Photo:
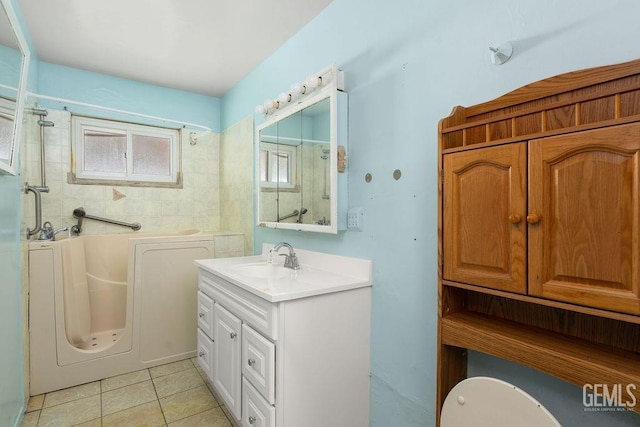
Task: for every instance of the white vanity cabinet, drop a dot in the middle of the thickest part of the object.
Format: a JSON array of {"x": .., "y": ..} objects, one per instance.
[{"x": 287, "y": 360}]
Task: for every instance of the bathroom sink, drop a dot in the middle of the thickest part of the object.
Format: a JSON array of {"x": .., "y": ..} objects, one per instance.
[
  {"x": 261, "y": 270},
  {"x": 319, "y": 273}
]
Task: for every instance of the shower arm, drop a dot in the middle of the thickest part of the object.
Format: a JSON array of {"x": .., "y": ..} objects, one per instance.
[{"x": 80, "y": 215}]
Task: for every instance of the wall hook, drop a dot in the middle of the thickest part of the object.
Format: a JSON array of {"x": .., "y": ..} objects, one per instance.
[{"x": 501, "y": 54}]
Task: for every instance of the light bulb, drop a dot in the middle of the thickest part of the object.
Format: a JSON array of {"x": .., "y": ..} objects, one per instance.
[
  {"x": 268, "y": 104},
  {"x": 313, "y": 82},
  {"x": 296, "y": 88},
  {"x": 260, "y": 109},
  {"x": 284, "y": 97}
]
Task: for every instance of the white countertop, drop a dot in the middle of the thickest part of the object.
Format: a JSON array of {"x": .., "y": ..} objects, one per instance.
[{"x": 319, "y": 274}]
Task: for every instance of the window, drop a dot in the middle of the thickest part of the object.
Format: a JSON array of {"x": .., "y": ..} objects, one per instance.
[
  {"x": 278, "y": 165},
  {"x": 131, "y": 154},
  {"x": 6, "y": 136}
]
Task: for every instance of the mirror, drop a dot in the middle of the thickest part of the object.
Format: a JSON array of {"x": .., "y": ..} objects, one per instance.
[
  {"x": 14, "y": 63},
  {"x": 296, "y": 163}
]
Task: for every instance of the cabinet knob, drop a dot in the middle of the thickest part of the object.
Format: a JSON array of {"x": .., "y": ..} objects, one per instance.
[
  {"x": 515, "y": 218},
  {"x": 252, "y": 420},
  {"x": 533, "y": 219},
  {"x": 251, "y": 362},
  {"x": 233, "y": 335},
  {"x": 200, "y": 314},
  {"x": 201, "y": 354}
]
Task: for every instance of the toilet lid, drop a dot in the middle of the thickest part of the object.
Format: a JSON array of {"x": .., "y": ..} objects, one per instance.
[{"x": 484, "y": 401}]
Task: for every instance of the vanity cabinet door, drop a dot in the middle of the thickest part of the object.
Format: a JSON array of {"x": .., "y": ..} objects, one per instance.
[
  {"x": 226, "y": 360},
  {"x": 583, "y": 190},
  {"x": 484, "y": 210}
]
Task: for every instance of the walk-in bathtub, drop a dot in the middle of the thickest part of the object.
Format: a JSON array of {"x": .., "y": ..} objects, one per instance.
[{"x": 105, "y": 305}]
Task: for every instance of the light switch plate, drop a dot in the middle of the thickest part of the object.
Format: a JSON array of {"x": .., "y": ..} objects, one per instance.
[{"x": 355, "y": 217}]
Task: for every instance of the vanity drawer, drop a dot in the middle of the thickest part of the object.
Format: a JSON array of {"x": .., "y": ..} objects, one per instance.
[
  {"x": 205, "y": 354},
  {"x": 256, "y": 412},
  {"x": 258, "y": 362},
  {"x": 205, "y": 314}
]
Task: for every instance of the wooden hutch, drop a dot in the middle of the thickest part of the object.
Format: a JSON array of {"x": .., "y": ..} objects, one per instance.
[{"x": 539, "y": 230}]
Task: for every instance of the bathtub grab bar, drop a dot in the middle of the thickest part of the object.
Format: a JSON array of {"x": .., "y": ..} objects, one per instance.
[
  {"x": 37, "y": 192},
  {"x": 80, "y": 214},
  {"x": 292, "y": 214}
]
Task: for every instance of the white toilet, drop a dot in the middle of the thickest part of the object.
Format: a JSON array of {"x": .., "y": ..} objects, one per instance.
[{"x": 490, "y": 402}]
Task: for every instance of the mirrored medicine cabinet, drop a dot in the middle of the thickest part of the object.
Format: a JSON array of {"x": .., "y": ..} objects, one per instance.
[
  {"x": 297, "y": 152},
  {"x": 14, "y": 65}
]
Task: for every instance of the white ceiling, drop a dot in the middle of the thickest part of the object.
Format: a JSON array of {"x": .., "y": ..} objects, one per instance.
[{"x": 202, "y": 46}]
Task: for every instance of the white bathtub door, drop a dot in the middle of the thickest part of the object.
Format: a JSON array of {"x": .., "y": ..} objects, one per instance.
[{"x": 166, "y": 286}]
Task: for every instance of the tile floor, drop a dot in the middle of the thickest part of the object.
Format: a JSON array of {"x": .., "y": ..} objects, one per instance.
[{"x": 174, "y": 395}]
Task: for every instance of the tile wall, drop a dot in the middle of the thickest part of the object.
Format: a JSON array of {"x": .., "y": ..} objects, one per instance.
[
  {"x": 157, "y": 209},
  {"x": 236, "y": 180}
]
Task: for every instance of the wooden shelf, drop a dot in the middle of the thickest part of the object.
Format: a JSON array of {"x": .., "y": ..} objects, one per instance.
[
  {"x": 577, "y": 361},
  {"x": 630, "y": 318}
]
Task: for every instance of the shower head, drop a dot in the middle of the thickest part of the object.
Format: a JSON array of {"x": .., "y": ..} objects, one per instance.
[{"x": 79, "y": 213}]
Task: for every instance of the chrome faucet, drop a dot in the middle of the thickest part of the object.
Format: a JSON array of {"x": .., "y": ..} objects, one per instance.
[
  {"x": 48, "y": 233},
  {"x": 291, "y": 260}
]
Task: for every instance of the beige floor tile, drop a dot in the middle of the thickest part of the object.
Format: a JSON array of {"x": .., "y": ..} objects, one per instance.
[
  {"x": 145, "y": 415},
  {"x": 125, "y": 380},
  {"x": 170, "y": 368},
  {"x": 93, "y": 423},
  {"x": 30, "y": 419},
  {"x": 72, "y": 393},
  {"x": 226, "y": 412},
  {"x": 127, "y": 397},
  {"x": 175, "y": 383},
  {"x": 211, "y": 418},
  {"x": 191, "y": 402},
  {"x": 71, "y": 413},
  {"x": 35, "y": 403}
]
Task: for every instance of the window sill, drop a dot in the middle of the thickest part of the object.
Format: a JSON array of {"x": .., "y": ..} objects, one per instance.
[{"x": 73, "y": 179}]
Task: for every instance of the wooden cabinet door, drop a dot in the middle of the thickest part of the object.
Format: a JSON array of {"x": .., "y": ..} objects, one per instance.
[
  {"x": 226, "y": 359},
  {"x": 583, "y": 190},
  {"x": 484, "y": 208}
]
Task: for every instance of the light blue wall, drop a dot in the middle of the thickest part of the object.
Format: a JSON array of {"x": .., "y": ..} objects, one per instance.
[
  {"x": 11, "y": 381},
  {"x": 113, "y": 92},
  {"x": 407, "y": 63}
]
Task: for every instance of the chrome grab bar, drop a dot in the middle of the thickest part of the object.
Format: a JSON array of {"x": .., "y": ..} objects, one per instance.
[
  {"x": 292, "y": 214},
  {"x": 80, "y": 214},
  {"x": 36, "y": 190}
]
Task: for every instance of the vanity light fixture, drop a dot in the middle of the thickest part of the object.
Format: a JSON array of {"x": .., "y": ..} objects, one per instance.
[{"x": 298, "y": 90}]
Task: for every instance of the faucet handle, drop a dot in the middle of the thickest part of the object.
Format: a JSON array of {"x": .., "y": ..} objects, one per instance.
[{"x": 291, "y": 261}]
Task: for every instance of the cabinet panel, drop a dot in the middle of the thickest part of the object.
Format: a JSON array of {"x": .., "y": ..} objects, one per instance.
[
  {"x": 483, "y": 217},
  {"x": 256, "y": 412},
  {"x": 205, "y": 353},
  {"x": 205, "y": 314},
  {"x": 258, "y": 362},
  {"x": 584, "y": 189},
  {"x": 226, "y": 359}
]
